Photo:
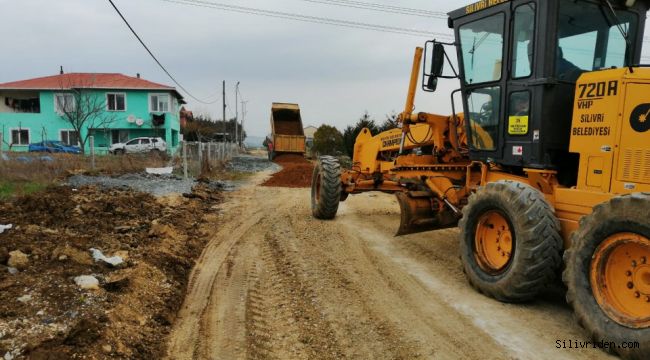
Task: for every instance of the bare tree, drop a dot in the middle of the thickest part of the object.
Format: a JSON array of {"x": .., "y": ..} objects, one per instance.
[{"x": 83, "y": 108}]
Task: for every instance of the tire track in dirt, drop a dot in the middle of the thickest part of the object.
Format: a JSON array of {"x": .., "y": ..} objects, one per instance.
[
  {"x": 526, "y": 331},
  {"x": 192, "y": 332},
  {"x": 277, "y": 284}
]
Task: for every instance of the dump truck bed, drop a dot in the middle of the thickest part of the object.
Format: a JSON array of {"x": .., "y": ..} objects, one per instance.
[{"x": 287, "y": 129}]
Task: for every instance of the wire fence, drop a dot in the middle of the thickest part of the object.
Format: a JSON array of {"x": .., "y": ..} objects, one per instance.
[{"x": 197, "y": 157}]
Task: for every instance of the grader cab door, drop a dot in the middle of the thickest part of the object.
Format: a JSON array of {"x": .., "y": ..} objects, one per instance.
[{"x": 500, "y": 79}]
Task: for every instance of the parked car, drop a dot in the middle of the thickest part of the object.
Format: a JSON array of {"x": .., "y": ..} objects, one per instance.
[
  {"x": 139, "y": 145},
  {"x": 53, "y": 146}
]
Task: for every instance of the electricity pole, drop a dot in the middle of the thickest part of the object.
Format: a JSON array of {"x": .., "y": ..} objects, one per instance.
[
  {"x": 236, "y": 113},
  {"x": 224, "y": 112},
  {"x": 243, "y": 118}
]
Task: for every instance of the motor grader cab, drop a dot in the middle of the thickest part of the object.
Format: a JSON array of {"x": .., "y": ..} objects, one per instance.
[{"x": 548, "y": 161}]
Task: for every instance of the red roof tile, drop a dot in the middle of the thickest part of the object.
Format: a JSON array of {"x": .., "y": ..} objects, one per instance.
[{"x": 86, "y": 81}]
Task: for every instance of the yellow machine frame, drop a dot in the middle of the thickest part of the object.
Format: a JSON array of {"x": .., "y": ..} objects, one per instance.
[{"x": 605, "y": 169}]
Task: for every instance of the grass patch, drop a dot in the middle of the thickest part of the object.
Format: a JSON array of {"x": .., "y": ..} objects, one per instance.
[
  {"x": 9, "y": 189},
  {"x": 6, "y": 189}
]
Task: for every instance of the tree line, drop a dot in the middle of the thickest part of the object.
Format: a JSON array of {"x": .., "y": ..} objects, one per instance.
[
  {"x": 328, "y": 140},
  {"x": 203, "y": 128}
]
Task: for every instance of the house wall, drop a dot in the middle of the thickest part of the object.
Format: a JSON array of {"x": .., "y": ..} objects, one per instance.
[{"x": 48, "y": 124}]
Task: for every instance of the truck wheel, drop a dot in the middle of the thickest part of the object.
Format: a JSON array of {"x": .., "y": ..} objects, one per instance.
[
  {"x": 326, "y": 188},
  {"x": 510, "y": 241},
  {"x": 608, "y": 274}
]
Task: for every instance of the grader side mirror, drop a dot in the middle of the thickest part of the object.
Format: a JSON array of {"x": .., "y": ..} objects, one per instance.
[
  {"x": 436, "y": 66},
  {"x": 437, "y": 60}
]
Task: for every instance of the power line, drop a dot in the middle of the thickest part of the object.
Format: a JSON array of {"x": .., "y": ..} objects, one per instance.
[
  {"x": 155, "y": 58},
  {"x": 369, "y": 6},
  {"x": 389, "y": 7},
  {"x": 308, "y": 18}
]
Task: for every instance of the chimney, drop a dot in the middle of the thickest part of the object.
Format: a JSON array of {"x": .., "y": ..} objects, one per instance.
[
  {"x": 61, "y": 72},
  {"x": 138, "y": 75}
]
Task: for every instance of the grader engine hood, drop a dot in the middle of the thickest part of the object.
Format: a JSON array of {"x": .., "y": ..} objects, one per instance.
[{"x": 611, "y": 135}]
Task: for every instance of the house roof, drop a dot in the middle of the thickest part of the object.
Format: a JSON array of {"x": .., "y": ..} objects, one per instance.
[{"x": 87, "y": 81}]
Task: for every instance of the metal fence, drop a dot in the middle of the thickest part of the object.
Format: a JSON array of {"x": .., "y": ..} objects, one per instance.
[{"x": 194, "y": 156}]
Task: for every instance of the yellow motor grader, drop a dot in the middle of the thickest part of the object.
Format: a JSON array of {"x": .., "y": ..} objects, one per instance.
[{"x": 546, "y": 169}]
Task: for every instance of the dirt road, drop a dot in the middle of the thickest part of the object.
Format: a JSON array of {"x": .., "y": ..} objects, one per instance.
[{"x": 274, "y": 283}]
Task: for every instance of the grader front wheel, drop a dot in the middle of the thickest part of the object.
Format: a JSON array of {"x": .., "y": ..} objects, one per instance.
[
  {"x": 326, "y": 188},
  {"x": 510, "y": 242},
  {"x": 493, "y": 242},
  {"x": 608, "y": 273}
]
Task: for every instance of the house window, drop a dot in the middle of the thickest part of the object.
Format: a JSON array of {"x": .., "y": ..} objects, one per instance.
[
  {"x": 119, "y": 136},
  {"x": 20, "y": 137},
  {"x": 160, "y": 103},
  {"x": 70, "y": 137},
  {"x": 64, "y": 103},
  {"x": 116, "y": 102}
]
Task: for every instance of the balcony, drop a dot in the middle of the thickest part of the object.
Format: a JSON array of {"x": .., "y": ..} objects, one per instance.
[{"x": 20, "y": 102}]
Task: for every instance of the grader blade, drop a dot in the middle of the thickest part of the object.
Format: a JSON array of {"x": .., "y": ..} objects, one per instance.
[{"x": 416, "y": 214}]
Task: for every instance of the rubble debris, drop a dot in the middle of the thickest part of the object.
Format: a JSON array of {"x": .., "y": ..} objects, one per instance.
[
  {"x": 25, "y": 299},
  {"x": 87, "y": 282},
  {"x": 18, "y": 260},
  {"x": 160, "y": 171},
  {"x": 55, "y": 229},
  {"x": 99, "y": 256},
  {"x": 5, "y": 227}
]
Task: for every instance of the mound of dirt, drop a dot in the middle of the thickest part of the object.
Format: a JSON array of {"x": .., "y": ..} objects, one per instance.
[
  {"x": 296, "y": 172},
  {"x": 128, "y": 307},
  {"x": 290, "y": 159}
]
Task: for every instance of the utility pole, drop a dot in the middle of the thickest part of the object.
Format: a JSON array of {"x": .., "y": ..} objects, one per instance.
[
  {"x": 224, "y": 111},
  {"x": 236, "y": 113},
  {"x": 243, "y": 118}
]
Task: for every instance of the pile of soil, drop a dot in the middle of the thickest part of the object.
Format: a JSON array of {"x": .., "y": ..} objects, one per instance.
[
  {"x": 45, "y": 314},
  {"x": 288, "y": 128},
  {"x": 296, "y": 172}
]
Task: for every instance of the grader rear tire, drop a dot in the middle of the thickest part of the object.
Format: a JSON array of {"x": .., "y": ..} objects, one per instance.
[
  {"x": 326, "y": 188},
  {"x": 608, "y": 274},
  {"x": 510, "y": 241}
]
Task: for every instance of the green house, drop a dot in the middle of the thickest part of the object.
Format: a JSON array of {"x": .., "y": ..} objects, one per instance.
[{"x": 123, "y": 108}]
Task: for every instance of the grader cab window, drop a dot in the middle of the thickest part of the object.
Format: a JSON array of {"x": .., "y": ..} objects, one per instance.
[
  {"x": 484, "y": 117},
  {"x": 524, "y": 32},
  {"x": 590, "y": 38},
  {"x": 482, "y": 49}
]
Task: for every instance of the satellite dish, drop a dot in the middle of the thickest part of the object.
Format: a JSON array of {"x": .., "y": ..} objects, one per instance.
[
  {"x": 139, "y": 122},
  {"x": 131, "y": 119}
]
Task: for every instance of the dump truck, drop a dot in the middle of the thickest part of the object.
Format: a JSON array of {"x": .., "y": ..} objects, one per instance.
[
  {"x": 546, "y": 170},
  {"x": 288, "y": 136}
]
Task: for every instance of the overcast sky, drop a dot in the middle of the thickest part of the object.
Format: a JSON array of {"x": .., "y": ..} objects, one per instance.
[{"x": 334, "y": 73}]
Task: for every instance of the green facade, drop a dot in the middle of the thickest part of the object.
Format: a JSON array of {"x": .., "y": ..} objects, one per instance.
[{"x": 48, "y": 124}]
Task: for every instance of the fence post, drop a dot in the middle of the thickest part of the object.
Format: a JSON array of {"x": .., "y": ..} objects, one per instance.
[
  {"x": 92, "y": 151},
  {"x": 200, "y": 154},
  {"x": 185, "y": 160}
]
